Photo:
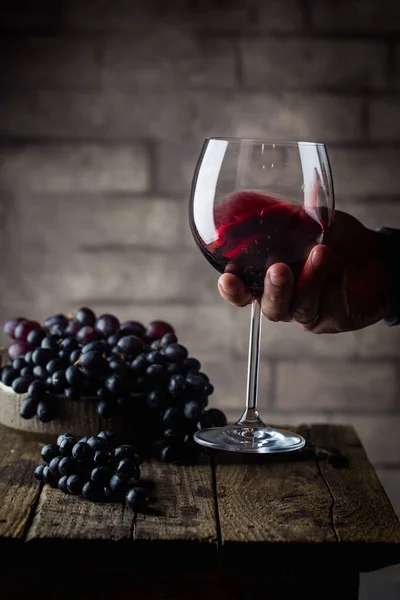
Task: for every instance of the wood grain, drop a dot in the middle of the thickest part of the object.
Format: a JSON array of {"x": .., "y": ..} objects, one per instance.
[
  {"x": 19, "y": 490},
  {"x": 360, "y": 511}
]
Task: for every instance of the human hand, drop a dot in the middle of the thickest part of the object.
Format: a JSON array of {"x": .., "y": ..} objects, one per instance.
[{"x": 343, "y": 285}]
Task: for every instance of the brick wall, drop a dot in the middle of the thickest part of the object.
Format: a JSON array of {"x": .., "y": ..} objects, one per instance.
[{"x": 103, "y": 109}]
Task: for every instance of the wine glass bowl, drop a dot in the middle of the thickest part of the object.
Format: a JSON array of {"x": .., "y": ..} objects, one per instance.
[{"x": 255, "y": 203}]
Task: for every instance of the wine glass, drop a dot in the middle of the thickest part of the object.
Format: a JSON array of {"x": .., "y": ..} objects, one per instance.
[{"x": 255, "y": 203}]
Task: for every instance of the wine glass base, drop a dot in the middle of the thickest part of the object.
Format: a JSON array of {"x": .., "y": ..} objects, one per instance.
[{"x": 256, "y": 440}]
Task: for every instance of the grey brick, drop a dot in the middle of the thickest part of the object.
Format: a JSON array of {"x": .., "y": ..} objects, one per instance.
[
  {"x": 176, "y": 163},
  {"x": 357, "y": 15},
  {"x": 365, "y": 172},
  {"x": 168, "y": 58},
  {"x": 95, "y": 221},
  {"x": 378, "y": 433},
  {"x": 390, "y": 479},
  {"x": 379, "y": 341},
  {"x": 312, "y": 63},
  {"x": 355, "y": 386},
  {"x": 286, "y": 340},
  {"x": 385, "y": 119},
  {"x": 74, "y": 167},
  {"x": 52, "y": 62},
  {"x": 276, "y": 15}
]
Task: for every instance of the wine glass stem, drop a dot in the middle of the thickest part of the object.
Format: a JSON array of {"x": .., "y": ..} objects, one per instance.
[{"x": 250, "y": 416}]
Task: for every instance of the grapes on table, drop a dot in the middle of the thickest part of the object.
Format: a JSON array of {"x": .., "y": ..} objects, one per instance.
[{"x": 140, "y": 372}]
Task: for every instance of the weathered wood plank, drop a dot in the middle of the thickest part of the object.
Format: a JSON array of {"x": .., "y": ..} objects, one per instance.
[
  {"x": 19, "y": 490},
  {"x": 360, "y": 511},
  {"x": 272, "y": 500}
]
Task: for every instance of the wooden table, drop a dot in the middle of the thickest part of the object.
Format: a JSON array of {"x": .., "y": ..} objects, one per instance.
[{"x": 290, "y": 526}]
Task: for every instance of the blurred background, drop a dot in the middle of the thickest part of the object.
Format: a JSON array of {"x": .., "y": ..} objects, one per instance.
[{"x": 103, "y": 109}]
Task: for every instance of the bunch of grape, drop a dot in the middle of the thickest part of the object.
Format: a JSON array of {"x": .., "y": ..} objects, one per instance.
[
  {"x": 95, "y": 467},
  {"x": 142, "y": 373}
]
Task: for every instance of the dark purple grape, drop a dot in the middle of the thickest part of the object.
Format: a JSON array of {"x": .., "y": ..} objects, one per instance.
[
  {"x": 129, "y": 467},
  {"x": 93, "y": 492},
  {"x": 133, "y": 328},
  {"x": 213, "y": 418},
  {"x": 40, "y": 373},
  {"x": 19, "y": 348},
  {"x": 101, "y": 458},
  {"x": 131, "y": 345},
  {"x": 54, "y": 464},
  {"x": 74, "y": 356},
  {"x": 59, "y": 319},
  {"x": 27, "y": 371},
  {"x": 176, "y": 353},
  {"x": 119, "y": 484},
  {"x": 157, "y": 329},
  {"x": 156, "y": 345},
  {"x": 72, "y": 329},
  {"x": 177, "y": 385},
  {"x": 68, "y": 465},
  {"x": 58, "y": 380},
  {"x": 82, "y": 452},
  {"x": 28, "y": 407},
  {"x": 75, "y": 484},
  {"x": 74, "y": 376},
  {"x": 50, "y": 451},
  {"x": 119, "y": 368},
  {"x": 19, "y": 363},
  {"x": 94, "y": 363},
  {"x": 8, "y": 375},
  {"x": 196, "y": 383},
  {"x": 100, "y": 476},
  {"x": 72, "y": 393},
  {"x": 124, "y": 451},
  {"x": 112, "y": 340},
  {"x": 41, "y": 356},
  {"x": 96, "y": 346},
  {"x": 87, "y": 334},
  {"x": 37, "y": 389},
  {"x": 156, "y": 358},
  {"x": 172, "y": 452},
  {"x": 115, "y": 384},
  {"x": 23, "y": 329},
  {"x": 156, "y": 373},
  {"x": 64, "y": 436},
  {"x": 51, "y": 342},
  {"x": 20, "y": 385},
  {"x": 191, "y": 364},
  {"x": 38, "y": 472},
  {"x": 209, "y": 389},
  {"x": 49, "y": 478},
  {"x": 28, "y": 357},
  {"x": 157, "y": 400},
  {"x": 105, "y": 409},
  {"x": 97, "y": 443},
  {"x": 136, "y": 499},
  {"x": 35, "y": 337},
  {"x": 173, "y": 418},
  {"x": 108, "y": 435},
  {"x": 169, "y": 338},
  {"x": 107, "y": 325},
  {"x": 140, "y": 364},
  {"x": 193, "y": 410},
  {"x": 175, "y": 369},
  {"x": 203, "y": 375},
  {"x": 54, "y": 365},
  {"x": 62, "y": 484},
  {"x": 69, "y": 343},
  {"x": 66, "y": 442},
  {"x": 10, "y": 325},
  {"x": 58, "y": 331},
  {"x": 46, "y": 410},
  {"x": 85, "y": 316}
]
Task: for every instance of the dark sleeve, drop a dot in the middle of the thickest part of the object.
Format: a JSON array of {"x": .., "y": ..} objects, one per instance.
[{"x": 392, "y": 253}]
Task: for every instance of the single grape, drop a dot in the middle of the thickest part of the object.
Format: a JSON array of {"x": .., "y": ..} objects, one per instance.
[
  {"x": 42, "y": 356},
  {"x": 175, "y": 369},
  {"x": 196, "y": 383},
  {"x": 133, "y": 328},
  {"x": 37, "y": 389},
  {"x": 35, "y": 337},
  {"x": 118, "y": 367},
  {"x": 168, "y": 338},
  {"x": 119, "y": 484},
  {"x": 101, "y": 458},
  {"x": 136, "y": 499},
  {"x": 38, "y": 472},
  {"x": 140, "y": 364},
  {"x": 50, "y": 342},
  {"x": 58, "y": 380},
  {"x": 54, "y": 365},
  {"x": 20, "y": 385},
  {"x": 10, "y": 325},
  {"x": 115, "y": 384},
  {"x": 74, "y": 356},
  {"x": 68, "y": 465},
  {"x": 98, "y": 443},
  {"x": 19, "y": 363},
  {"x": 66, "y": 442},
  {"x": 8, "y": 375},
  {"x": 49, "y": 478},
  {"x": 100, "y": 476},
  {"x": 96, "y": 346},
  {"x": 69, "y": 343},
  {"x": 54, "y": 465},
  {"x": 156, "y": 358},
  {"x": 23, "y": 329},
  {"x": 124, "y": 451},
  {"x": 157, "y": 374},
  {"x": 72, "y": 329},
  {"x": 28, "y": 357},
  {"x": 46, "y": 410},
  {"x": 27, "y": 371},
  {"x": 93, "y": 492},
  {"x": 94, "y": 363},
  {"x": 108, "y": 435},
  {"x": 191, "y": 364},
  {"x": 85, "y": 317},
  {"x": 75, "y": 484},
  {"x": 72, "y": 393},
  {"x": 157, "y": 329},
  {"x": 87, "y": 334},
  {"x": 74, "y": 376},
  {"x": 129, "y": 467},
  {"x": 176, "y": 353},
  {"x": 62, "y": 484},
  {"x": 28, "y": 407},
  {"x": 193, "y": 410},
  {"x": 107, "y": 325},
  {"x": 50, "y": 451},
  {"x": 157, "y": 400},
  {"x": 209, "y": 389},
  {"x": 58, "y": 331},
  {"x": 213, "y": 418},
  {"x": 131, "y": 345},
  {"x": 59, "y": 319},
  {"x": 18, "y": 348},
  {"x": 105, "y": 409},
  {"x": 82, "y": 452},
  {"x": 64, "y": 436},
  {"x": 177, "y": 385}
]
